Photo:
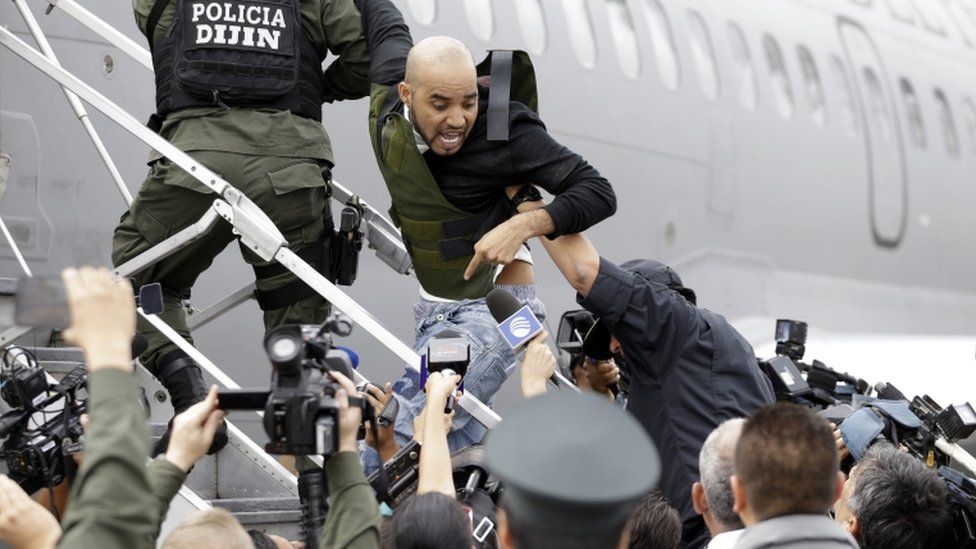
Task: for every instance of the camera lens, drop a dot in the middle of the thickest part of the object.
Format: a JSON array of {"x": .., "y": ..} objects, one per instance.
[{"x": 283, "y": 349}]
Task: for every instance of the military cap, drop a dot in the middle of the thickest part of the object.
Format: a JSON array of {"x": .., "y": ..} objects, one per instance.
[{"x": 572, "y": 463}]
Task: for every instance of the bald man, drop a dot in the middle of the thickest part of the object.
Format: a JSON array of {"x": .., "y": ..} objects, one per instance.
[{"x": 447, "y": 167}]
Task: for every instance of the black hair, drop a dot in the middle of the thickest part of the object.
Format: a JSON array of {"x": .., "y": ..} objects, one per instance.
[
  {"x": 527, "y": 536},
  {"x": 655, "y": 524},
  {"x": 261, "y": 540},
  {"x": 431, "y": 521},
  {"x": 898, "y": 502}
]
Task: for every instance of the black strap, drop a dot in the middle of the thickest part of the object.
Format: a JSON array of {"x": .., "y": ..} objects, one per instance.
[
  {"x": 154, "y": 15},
  {"x": 282, "y": 297},
  {"x": 165, "y": 371},
  {"x": 458, "y": 247},
  {"x": 499, "y": 95},
  {"x": 311, "y": 254},
  {"x": 466, "y": 226},
  {"x": 391, "y": 102}
]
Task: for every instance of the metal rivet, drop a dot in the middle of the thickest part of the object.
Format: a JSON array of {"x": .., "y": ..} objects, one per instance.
[
  {"x": 160, "y": 396},
  {"x": 108, "y": 64}
]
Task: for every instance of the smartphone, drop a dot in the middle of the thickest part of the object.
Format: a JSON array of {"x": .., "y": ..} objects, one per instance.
[{"x": 41, "y": 301}]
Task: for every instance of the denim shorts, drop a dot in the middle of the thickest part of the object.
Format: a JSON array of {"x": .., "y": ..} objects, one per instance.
[{"x": 492, "y": 361}]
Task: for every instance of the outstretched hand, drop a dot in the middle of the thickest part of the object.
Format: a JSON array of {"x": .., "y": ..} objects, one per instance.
[
  {"x": 350, "y": 417},
  {"x": 193, "y": 432},
  {"x": 538, "y": 366},
  {"x": 103, "y": 317},
  {"x": 498, "y": 246}
]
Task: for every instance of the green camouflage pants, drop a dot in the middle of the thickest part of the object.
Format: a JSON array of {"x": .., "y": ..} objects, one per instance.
[{"x": 291, "y": 191}]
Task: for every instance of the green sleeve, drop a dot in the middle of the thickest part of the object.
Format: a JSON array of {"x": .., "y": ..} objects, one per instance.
[
  {"x": 111, "y": 503},
  {"x": 165, "y": 480},
  {"x": 348, "y": 76},
  {"x": 354, "y": 519},
  {"x": 142, "y": 8}
]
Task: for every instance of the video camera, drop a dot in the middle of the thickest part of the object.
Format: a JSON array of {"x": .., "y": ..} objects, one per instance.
[
  {"x": 301, "y": 416},
  {"x": 920, "y": 425},
  {"x": 37, "y": 457}
]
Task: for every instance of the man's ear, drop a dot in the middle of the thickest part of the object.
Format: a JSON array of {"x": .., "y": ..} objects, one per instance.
[
  {"x": 698, "y": 499},
  {"x": 853, "y": 526},
  {"x": 403, "y": 89},
  {"x": 841, "y": 479},
  {"x": 738, "y": 495},
  {"x": 504, "y": 534}
]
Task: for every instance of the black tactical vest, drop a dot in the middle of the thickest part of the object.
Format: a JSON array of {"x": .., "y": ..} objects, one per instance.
[{"x": 236, "y": 53}]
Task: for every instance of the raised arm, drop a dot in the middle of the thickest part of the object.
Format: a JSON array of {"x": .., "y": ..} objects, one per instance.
[
  {"x": 388, "y": 39},
  {"x": 435, "y": 471}
]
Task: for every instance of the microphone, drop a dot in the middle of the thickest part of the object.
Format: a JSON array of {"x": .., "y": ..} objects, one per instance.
[
  {"x": 888, "y": 391},
  {"x": 518, "y": 326}
]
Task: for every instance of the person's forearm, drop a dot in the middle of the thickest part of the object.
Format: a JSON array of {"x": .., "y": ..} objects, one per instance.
[
  {"x": 388, "y": 39},
  {"x": 111, "y": 501},
  {"x": 573, "y": 254},
  {"x": 165, "y": 479},
  {"x": 353, "y": 520},
  {"x": 435, "y": 470}
]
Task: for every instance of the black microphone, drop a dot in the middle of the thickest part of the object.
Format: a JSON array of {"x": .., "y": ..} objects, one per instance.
[
  {"x": 518, "y": 325},
  {"x": 888, "y": 391}
]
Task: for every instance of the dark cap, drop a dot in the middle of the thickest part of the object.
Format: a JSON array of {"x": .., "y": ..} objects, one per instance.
[
  {"x": 572, "y": 463},
  {"x": 655, "y": 271}
]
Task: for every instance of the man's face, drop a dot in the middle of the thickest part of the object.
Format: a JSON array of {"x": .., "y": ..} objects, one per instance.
[
  {"x": 842, "y": 513},
  {"x": 443, "y": 103}
]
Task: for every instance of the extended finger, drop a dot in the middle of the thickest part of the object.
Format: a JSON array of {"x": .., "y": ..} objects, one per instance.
[
  {"x": 473, "y": 265},
  {"x": 212, "y": 423}
]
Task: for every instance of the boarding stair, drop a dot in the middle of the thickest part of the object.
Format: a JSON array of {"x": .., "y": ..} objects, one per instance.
[{"x": 241, "y": 478}]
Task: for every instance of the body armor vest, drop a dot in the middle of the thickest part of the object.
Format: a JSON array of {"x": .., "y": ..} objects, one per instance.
[
  {"x": 440, "y": 236},
  {"x": 236, "y": 53}
]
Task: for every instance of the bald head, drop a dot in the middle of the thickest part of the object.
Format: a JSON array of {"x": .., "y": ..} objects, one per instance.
[
  {"x": 440, "y": 90},
  {"x": 438, "y": 55}
]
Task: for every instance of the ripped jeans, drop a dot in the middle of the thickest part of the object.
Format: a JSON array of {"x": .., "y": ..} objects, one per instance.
[{"x": 492, "y": 361}]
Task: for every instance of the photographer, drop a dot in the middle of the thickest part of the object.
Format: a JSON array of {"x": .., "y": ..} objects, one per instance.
[
  {"x": 433, "y": 517},
  {"x": 892, "y": 501},
  {"x": 689, "y": 369}
]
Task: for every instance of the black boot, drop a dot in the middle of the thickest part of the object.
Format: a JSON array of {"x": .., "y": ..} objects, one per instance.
[
  {"x": 313, "y": 494},
  {"x": 183, "y": 379}
]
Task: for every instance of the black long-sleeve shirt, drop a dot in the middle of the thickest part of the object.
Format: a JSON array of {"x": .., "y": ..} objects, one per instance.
[{"x": 475, "y": 177}]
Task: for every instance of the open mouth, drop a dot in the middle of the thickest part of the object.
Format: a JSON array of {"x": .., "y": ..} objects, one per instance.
[{"x": 451, "y": 139}]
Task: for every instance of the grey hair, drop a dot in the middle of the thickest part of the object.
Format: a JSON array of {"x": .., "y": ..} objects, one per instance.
[{"x": 715, "y": 465}]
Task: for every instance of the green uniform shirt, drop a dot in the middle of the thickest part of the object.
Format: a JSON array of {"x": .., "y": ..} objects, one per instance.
[
  {"x": 111, "y": 503},
  {"x": 354, "y": 518},
  {"x": 165, "y": 480},
  {"x": 332, "y": 25}
]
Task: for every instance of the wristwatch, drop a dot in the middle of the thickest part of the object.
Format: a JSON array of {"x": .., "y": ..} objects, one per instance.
[{"x": 528, "y": 193}]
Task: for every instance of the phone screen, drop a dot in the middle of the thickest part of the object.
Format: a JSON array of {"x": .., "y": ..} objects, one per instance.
[{"x": 41, "y": 301}]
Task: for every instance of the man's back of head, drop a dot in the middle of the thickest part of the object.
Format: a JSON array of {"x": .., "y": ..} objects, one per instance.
[
  {"x": 654, "y": 524},
  {"x": 892, "y": 501},
  {"x": 712, "y": 495},
  {"x": 212, "y": 528},
  {"x": 786, "y": 463},
  {"x": 431, "y": 520}
]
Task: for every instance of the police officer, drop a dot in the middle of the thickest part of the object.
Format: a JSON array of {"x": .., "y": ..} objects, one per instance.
[
  {"x": 448, "y": 147},
  {"x": 573, "y": 466},
  {"x": 240, "y": 86},
  {"x": 689, "y": 369}
]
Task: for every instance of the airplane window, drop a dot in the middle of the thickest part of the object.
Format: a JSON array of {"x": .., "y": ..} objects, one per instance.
[
  {"x": 948, "y": 125},
  {"x": 480, "y": 18},
  {"x": 970, "y": 108},
  {"x": 901, "y": 9},
  {"x": 624, "y": 37},
  {"x": 843, "y": 88},
  {"x": 811, "y": 78},
  {"x": 913, "y": 110},
  {"x": 664, "y": 51},
  {"x": 533, "y": 23},
  {"x": 581, "y": 31},
  {"x": 424, "y": 11},
  {"x": 880, "y": 115},
  {"x": 703, "y": 54},
  {"x": 782, "y": 89},
  {"x": 931, "y": 16},
  {"x": 744, "y": 71}
]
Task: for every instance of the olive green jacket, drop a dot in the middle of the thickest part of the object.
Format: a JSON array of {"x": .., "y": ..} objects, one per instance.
[
  {"x": 111, "y": 502},
  {"x": 354, "y": 518},
  {"x": 334, "y": 26}
]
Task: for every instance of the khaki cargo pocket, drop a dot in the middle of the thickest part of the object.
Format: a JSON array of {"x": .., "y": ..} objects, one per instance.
[
  {"x": 148, "y": 225},
  {"x": 170, "y": 174},
  {"x": 294, "y": 176}
]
